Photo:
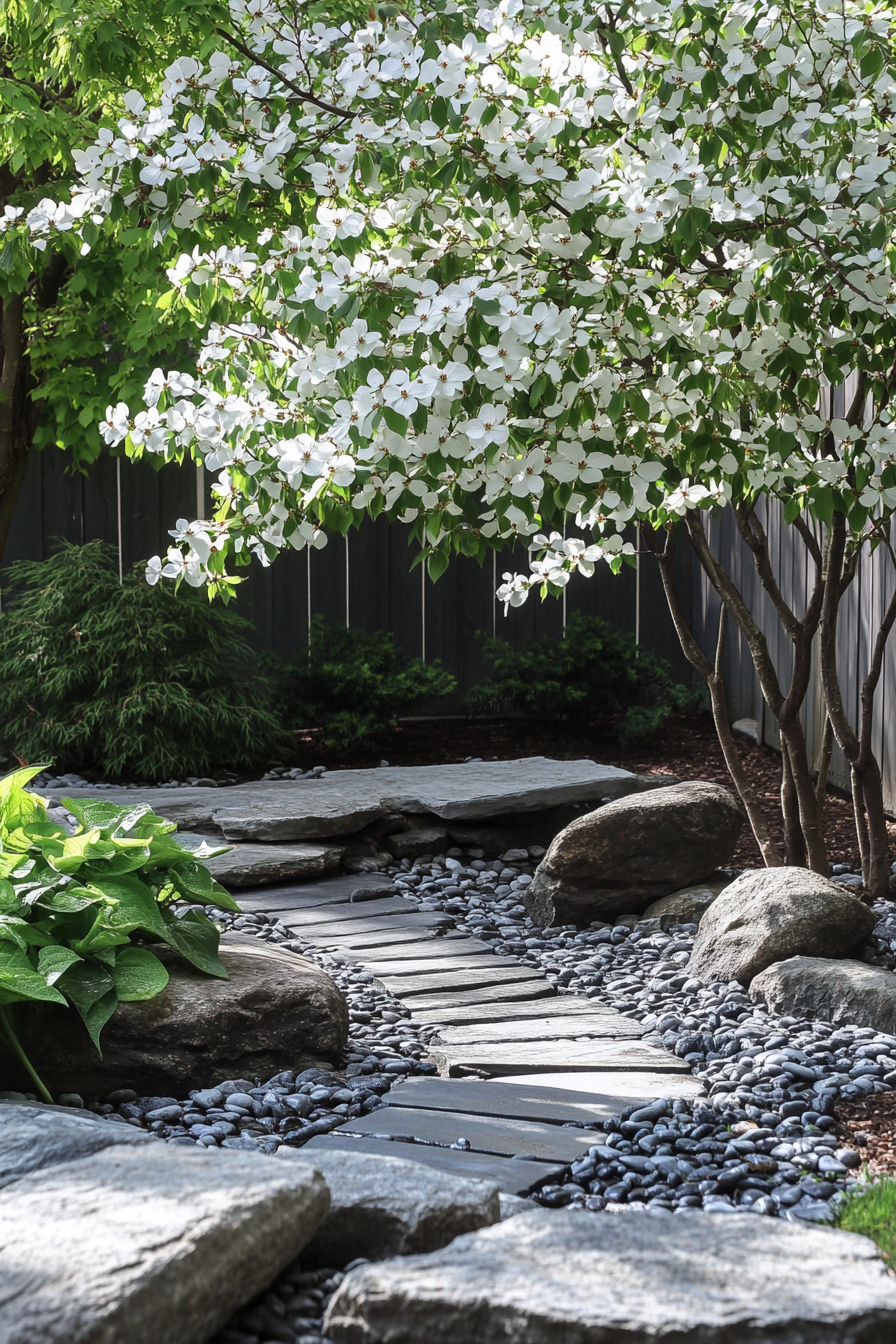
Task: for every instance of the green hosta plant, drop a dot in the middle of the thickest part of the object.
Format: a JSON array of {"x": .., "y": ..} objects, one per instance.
[{"x": 79, "y": 912}]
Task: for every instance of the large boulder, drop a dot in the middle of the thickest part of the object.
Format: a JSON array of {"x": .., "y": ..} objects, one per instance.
[
  {"x": 556, "y": 1275},
  {"x": 153, "y": 1245},
  {"x": 384, "y": 1206},
  {"x": 631, "y": 852},
  {"x": 274, "y": 1011},
  {"x": 772, "y": 914},
  {"x": 831, "y": 991}
]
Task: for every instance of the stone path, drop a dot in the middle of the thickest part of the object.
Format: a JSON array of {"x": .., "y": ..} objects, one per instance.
[{"x": 493, "y": 1019}]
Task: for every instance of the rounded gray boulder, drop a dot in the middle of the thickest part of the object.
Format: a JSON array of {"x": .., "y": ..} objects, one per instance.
[
  {"x": 274, "y": 1011},
  {"x": 832, "y": 991},
  {"x": 771, "y": 914},
  {"x": 633, "y": 851}
]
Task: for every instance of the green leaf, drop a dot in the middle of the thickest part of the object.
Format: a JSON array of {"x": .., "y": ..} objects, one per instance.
[
  {"x": 96, "y": 1017},
  {"x": 136, "y": 906},
  {"x": 54, "y": 961},
  {"x": 196, "y": 939},
  {"x": 20, "y": 981},
  {"x": 138, "y": 975},
  {"x": 84, "y": 984},
  {"x": 397, "y": 423}
]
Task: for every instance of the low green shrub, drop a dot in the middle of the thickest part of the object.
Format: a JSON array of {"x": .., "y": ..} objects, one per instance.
[
  {"x": 77, "y": 911},
  {"x": 354, "y": 684},
  {"x": 872, "y": 1212},
  {"x": 125, "y": 679},
  {"x": 595, "y": 672}
]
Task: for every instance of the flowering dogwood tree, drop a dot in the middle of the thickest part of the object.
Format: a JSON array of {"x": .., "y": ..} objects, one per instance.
[{"x": 527, "y": 269}]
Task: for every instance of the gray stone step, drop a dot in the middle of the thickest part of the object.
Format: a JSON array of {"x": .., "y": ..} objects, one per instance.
[
  {"x": 528, "y": 989},
  {"x": 365, "y": 911},
  {"x": 558, "y": 1005},
  {"x": 616, "y": 1090},
  {"x": 254, "y": 865},
  {"x": 348, "y": 939},
  {"x": 542, "y": 1029},
  {"x": 532, "y": 1057},
  {"x": 512, "y": 1176},
  {"x": 345, "y": 801},
  {"x": 505, "y": 1136},
  {"x": 336, "y": 890},
  {"x": 356, "y": 927},
  {"x": 448, "y": 981},
  {"x": 514, "y": 1101},
  {"x": 450, "y": 944},
  {"x": 408, "y": 969}
]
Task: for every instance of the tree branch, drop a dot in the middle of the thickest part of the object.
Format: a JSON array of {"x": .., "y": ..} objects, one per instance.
[{"x": 302, "y": 94}]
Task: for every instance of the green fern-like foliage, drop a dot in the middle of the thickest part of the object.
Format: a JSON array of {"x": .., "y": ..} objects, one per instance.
[
  {"x": 126, "y": 680},
  {"x": 596, "y": 672},
  {"x": 354, "y": 684}
]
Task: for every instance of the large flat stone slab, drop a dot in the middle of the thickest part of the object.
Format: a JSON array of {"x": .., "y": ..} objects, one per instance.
[
  {"x": 538, "y": 1057},
  {"x": 337, "y": 890},
  {"x": 363, "y": 912},
  {"x": 449, "y": 980},
  {"x": 614, "y": 1091},
  {"x": 149, "y": 1245},
  {"x": 344, "y": 801},
  {"x": 255, "y": 865},
  {"x": 35, "y": 1137},
  {"x": 557, "y": 1005},
  {"x": 450, "y": 944},
  {"x": 548, "y": 1105},
  {"x": 551, "y": 1276},
  {"x": 505, "y": 1137},
  {"x": 384, "y": 1206},
  {"x": 525, "y": 989},
  {"x": 511, "y": 1175},
  {"x": 543, "y": 1029},
  {"x": 408, "y": 969}
]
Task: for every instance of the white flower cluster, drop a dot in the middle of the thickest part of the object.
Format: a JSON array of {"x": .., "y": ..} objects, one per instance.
[{"x": 537, "y": 262}]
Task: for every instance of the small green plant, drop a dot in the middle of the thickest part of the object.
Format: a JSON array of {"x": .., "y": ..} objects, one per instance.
[
  {"x": 125, "y": 679},
  {"x": 872, "y": 1212},
  {"x": 78, "y": 910},
  {"x": 595, "y": 672},
  {"x": 353, "y": 684}
]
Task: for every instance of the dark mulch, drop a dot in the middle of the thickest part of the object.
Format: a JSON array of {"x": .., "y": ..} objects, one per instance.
[
  {"x": 687, "y": 747},
  {"x": 872, "y": 1123}
]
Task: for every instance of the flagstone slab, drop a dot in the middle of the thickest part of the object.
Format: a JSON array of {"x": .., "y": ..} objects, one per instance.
[
  {"x": 254, "y": 865},
  {"x": 408, "y": 969},
  {"x": 448, "y": 980},
  {"x": 612, "y": 1090},
  {"x": 449, "y": 943},
  {"x": 364, "y": 912},
  {"x": 449, "y": 999},
  {"x": 340, "y": 890},
  {"x": 350, "y": 940},
  {"x": 507, "y": 1135},
  {"x": 548, "y": 1105},
  {"x": 513, "y": 1176},
  {"x": 532, "y": 1056},
  {"x": 543, "y": 1029},
  {"x": 550, "y": 1006},
  {"x": 342, "y": 802},
  {"x": 319, "y": 929}
]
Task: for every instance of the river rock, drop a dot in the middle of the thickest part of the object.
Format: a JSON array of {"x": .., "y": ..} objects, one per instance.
[
  {"x": 274, "y": 1011},
  {"x": 686, "y": 906},
  {"x": 833, "y": 991},
  {"x": 34, "y": 1137},
  {"x": 633, "y": 851},
  {"x": 770, "y": 914},
  {"x": 156, "y": 1245},
  {"x": 383, "y": 1206},
  {"x": 556, "y": 1275}
]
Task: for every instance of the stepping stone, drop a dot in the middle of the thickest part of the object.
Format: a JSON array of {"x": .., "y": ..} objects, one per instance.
[
  {"x": 253, "y": 865},
  {"x": 352, "y": 940},
  {"x": 527, "y": 989},
  {"x": 345, "y": 801},
  {"x": 548, "y": 1105},
  {"x": 504, "y": 1137},
  {"x": 365, "y": 911},
  {"x": 515, "y": 1176},
  {"x": 533, "y": 1057},
  {"x": 318, "y": 930},
  {"x": 410, "y": 987},
  {"x": 148, "y": 1243},
  {"x": 326, "y": 891},
  {"x": 409, "y": 968},
  {"x": 450, "y": 944},
  {"x": 563, "y": 1276},
  {"x": 613, "y": 1090},
  {"x": 558, "y": 1005},
  {"x": 543, "y": 1029}
]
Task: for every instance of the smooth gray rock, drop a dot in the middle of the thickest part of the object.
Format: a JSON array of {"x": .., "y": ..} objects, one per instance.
[
  {"x": 554, "y": 1276},
  {"x": 383, "y": 1206},
  {"x": 770, "y": 914},
  {"x": 274, "y": 1011},
  {"x": 834, "y": 991},
  {"x": 686, "y": 906},
  {"x": 344, "y": 801},
  {"x": 256, "y": 865},
  {"x": 631, "y": 852},
  {"x": 152, "y": 1246},
  {"x": 34, "y": 1137}
]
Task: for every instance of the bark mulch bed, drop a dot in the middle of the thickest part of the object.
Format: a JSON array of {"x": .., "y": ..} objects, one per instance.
[
  {"x": 872, "y": 1124},
  {"x": 686, "y": 747}
]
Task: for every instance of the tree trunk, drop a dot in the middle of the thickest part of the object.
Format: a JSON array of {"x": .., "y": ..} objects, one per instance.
[{"x": 18, "y": 412}]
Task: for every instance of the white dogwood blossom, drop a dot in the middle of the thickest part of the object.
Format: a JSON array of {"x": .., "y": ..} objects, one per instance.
[{"x": 512, "y": 270}]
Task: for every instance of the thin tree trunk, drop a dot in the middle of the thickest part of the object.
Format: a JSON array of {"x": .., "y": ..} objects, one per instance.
[
  {"x": 824, "y": 767},
  {"x": 18, "y": 418},
  {"x": 794, "y": 841},
  {"x": 712, "y": 673}
]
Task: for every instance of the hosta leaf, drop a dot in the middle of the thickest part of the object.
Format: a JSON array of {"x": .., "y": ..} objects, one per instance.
[
  {"x": 108, "y": 817},
  {"x": 196, "y": 939},
  {"x": 96, "y": 1017},
  {"x": 52, "y": 962},
  {"x": 19, "y": 979},
  {"x": 85, "y": 983},
  {"x": 136, "y": 907},
  {"x": 138, "y": 975},
  {"x": 79, "y": 848},
  {"x": 66, "y": 902},
  {"x": 122, "y": 861}
]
